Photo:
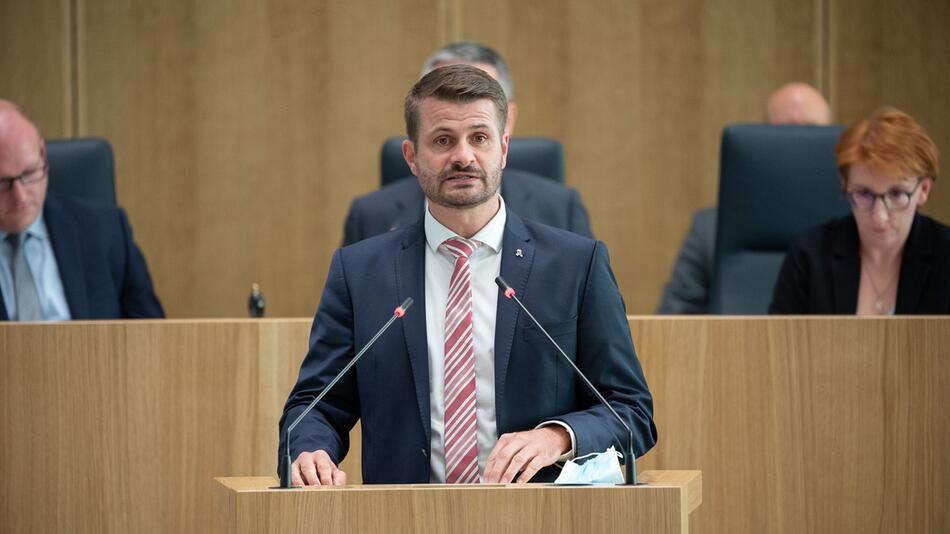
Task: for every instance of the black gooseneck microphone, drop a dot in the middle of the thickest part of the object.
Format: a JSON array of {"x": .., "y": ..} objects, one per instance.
[
  {"x": 287, "y": 479},
  {"x": 630, "y": 477}
]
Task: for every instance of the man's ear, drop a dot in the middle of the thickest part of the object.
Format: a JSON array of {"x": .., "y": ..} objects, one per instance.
[
  {"x": 504, "y": 149},
  {"x": 409, "y": 154}
]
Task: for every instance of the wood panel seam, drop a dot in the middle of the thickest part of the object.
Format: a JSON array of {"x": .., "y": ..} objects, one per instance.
[{"x": 73, "y": 68}]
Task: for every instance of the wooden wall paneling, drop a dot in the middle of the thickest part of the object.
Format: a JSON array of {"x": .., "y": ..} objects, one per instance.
[
  {"x": 891, "y": 52},
  {"x": 124, "y": 431},
  {"x": 35, "y": 62},
  {"x": 804, "y": 424},
  {"x": 811, "y": 424},
  {"x": 243, "y": 130},
  {"x": 638, "y": 92}
]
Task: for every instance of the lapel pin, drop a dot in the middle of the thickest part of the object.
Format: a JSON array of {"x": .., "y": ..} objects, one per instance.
[{"x": 519, "y": 253}]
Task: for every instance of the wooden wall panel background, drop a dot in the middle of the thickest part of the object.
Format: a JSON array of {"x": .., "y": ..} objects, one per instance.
[
  {"x": 36, "y": 61},
  {"x": 124, "y": 432},
  {"x": 638, "y": 93},
  {"x": 804, "y": 424},
  {"x": 242, "y": 130},
  {"x": 799, "y": 424}
]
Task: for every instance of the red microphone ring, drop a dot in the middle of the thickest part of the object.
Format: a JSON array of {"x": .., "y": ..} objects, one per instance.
[
  {"x": 399, "y": 312},
  {"x": 510, "y": 292}
]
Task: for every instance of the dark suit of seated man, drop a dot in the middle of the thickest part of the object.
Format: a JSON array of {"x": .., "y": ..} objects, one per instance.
[
  {"x": 464, "y": 388},
  {"x": 400, "y": 204},
  {"x": 61, "y": 258}
]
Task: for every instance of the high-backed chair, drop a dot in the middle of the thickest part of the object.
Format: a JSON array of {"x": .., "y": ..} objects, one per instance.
[
  {"x": 82, "y": 168},
  {"x": 538, "y": 155},
  {"x": 775, "y": 182}
]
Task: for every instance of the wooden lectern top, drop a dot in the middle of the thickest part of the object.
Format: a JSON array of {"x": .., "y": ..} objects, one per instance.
[{"x": 661, "y": 504}]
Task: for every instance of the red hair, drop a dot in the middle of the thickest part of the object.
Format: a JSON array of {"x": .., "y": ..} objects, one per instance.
[{"x": 891, "y": 142}]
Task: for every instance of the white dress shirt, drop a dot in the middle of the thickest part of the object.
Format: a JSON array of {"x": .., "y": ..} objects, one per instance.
[
  {"x": 42, "y": 263},
  {"x": 485, "y": 266}
]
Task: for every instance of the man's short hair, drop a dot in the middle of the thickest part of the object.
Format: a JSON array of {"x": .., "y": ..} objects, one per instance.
[
  {"x": 472, "y": 52},
  {"x": 458, "y": 84}
]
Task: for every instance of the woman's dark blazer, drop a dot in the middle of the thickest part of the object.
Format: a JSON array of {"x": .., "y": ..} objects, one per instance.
[{"x": 822, "y": 270}]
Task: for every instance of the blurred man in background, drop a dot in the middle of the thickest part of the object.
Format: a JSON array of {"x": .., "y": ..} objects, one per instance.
[
  {"x": 687, "y": 291},
  {"x": 60, "y": 258}
]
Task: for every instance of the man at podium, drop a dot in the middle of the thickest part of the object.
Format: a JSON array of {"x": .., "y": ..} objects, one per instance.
[{"x": 464, "y": 388}]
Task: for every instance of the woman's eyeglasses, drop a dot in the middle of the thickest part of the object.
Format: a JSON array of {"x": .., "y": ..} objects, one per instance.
[{"x": 894, "y": 200}]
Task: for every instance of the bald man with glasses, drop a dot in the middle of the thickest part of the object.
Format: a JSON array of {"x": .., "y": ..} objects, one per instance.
[{"x": 60, "y": 258}]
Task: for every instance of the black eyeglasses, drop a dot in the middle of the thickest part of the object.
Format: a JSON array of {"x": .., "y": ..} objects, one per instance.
[
  {"x": 29, "y": 177},
  {"x": 894, "y": 200}
]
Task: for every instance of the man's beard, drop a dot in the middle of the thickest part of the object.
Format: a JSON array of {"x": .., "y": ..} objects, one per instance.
[{"x": 465, "y": 197}]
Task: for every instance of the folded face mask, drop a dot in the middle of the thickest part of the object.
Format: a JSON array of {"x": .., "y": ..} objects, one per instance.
[{"x": 599, "y": 468}]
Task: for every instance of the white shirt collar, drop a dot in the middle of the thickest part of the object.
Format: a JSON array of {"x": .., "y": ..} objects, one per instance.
[{"x": 491, "y": 235}]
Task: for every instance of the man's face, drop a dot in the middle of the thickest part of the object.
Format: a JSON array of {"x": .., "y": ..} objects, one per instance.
[
  {"x": 22, "y": 204},
  {"x": 459, "y": 154}
]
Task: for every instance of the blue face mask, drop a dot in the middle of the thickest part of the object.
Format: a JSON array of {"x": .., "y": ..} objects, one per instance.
[{"x": 600, "y": 468}]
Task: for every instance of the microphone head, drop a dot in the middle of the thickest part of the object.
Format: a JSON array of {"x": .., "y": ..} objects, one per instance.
[
  {"x": 509, "y": 291},
  {"x": 401, "y": 309}
]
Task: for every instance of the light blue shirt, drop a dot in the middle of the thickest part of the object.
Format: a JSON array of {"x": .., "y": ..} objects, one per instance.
[{"x": 42, "y": 263}]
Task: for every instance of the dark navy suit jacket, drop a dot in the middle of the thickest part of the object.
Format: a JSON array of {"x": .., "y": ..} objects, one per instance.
[
  {"x": 564, "y": 279},
  {"x": 103, "y": 272},
  {"x": 400, "y": 204}
]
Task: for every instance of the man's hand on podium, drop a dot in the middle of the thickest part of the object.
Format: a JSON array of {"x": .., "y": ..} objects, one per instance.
[
  {"x": 525, "y": 452},
  {"x": 317, "y": 469}
]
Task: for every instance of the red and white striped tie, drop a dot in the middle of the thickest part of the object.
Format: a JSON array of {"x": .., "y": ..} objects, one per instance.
[{"x": 461, "y": 451}]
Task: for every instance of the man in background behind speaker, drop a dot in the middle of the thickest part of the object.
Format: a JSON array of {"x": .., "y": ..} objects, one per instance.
[
  {"x": 687, "y": 291},
  {"x": 400, "y": 203},
  {"x": 60, "y": 258}
]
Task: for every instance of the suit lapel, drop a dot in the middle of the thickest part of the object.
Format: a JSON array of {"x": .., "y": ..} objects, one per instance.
[
  {"x": 915, "y": 267},
  {"x": 3, "y": 308},
  {"x": 64, "y": 238},
  {"x": 411, "y": 209},
  {"x": 410, "y": 276},
  {"x": 515, "y": 268},
  {"x": 845, "y": 267}
]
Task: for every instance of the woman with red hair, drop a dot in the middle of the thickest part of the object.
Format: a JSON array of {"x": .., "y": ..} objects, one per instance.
[{"x": 884, "y": 258}]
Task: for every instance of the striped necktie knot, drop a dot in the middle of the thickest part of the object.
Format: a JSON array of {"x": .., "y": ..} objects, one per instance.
[{"x": 460, "y": 247}]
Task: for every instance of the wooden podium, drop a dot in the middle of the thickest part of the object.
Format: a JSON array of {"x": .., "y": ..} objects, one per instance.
[{"x": 660, "y": 505}]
